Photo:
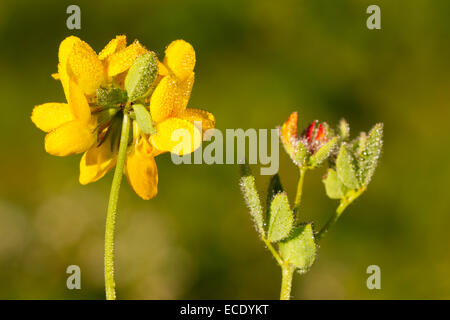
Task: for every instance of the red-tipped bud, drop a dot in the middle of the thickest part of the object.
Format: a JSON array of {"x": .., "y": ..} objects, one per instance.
[
  {"x": 320, "y": 132},
  {"x": 315, "y": 136},
  {"x": 309, "y": 131}
]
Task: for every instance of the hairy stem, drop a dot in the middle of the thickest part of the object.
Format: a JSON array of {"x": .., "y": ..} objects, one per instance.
[
  {"x": 273, "y": 251},
  {"x": 287, "y": 273},
  {"x": 112, "y": 210}
]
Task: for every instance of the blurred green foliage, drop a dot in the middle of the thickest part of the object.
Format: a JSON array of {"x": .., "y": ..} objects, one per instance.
[{"x": 257, "y": 61}]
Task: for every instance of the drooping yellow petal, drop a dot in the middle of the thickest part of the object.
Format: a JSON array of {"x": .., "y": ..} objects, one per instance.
[
  {"x": 180, "y": 58},
  {"x": 78, "y": 102},
  {"x": 123, "y": 59},
  {"x": 80, "y": 61},
  {"x": 116, "y": 44},
  {"x": 49, "y": 116},
  {"x": 162, "y": 102},
  {"x": 197, "y": 115},
  {"x": 141, "y": 171},
  {"x": 71, "y": 138},
  {"x": 176, "y": 135},
  {"x": 66, "y": 48},
  {"x": 97, "y": 161}
]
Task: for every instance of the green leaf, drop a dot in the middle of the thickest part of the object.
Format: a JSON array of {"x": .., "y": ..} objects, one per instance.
[
  {"x": 273, "y": 189},
  {"x": 111, "y": 97},
  {"x": 141, "y": 76},
  {"x": 280, "y": 218},
  {"x": 358, "y": 145},
  {"x": 370, "y": 154},
  {"x": 143, "y": 119},
  {"x": 251, "y": 196},
  {"x": 323, "y": 153},
  {"x": 345, "y": 168},
  {"x": 300, "y": 248},
  {"x": 334, "y": 188}
]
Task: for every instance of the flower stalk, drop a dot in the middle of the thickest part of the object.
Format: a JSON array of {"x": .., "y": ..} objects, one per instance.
[
  {"x": 112, "y": 209},
  {"x": 344, "y": 203},
  {"x": 298, "y": 197}
]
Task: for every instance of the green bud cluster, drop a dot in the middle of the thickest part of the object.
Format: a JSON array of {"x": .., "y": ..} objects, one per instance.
[{"x": 140, "y": 82}]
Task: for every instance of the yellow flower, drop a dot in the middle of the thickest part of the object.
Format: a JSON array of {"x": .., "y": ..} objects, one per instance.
[{"x": 80, "y": 125}]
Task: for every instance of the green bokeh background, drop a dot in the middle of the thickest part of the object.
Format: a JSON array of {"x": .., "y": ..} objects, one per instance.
[{"x": 257, "y": 61}]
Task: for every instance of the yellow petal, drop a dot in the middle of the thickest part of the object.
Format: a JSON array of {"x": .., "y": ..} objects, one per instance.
[
  {"x": 176, "y": 135},
  {"x": 162, "y": 70},
  {"x": 116, "y": 44},
  {"x": 97, "y": 161},
  {"x": 163, "y": 99},
  {"x": 64, "y": 78},
  {"x": 180, "y": 58},
  {"x": 66, "y": 48},
  {"x": 141, "y": 171},
  {"x": 49, "y": 116},
  {"x": 56, "y": 76},
  {"x": 197, "y": 115},
  {"x": 81, "y": 63},
  {"x": 184, "y": 95},
  {"x": 71, "y": 138},
  {"x": 78, "y": 102},
  {"x": 123, "y": 59},
  {"x": 170, "y": 97}
]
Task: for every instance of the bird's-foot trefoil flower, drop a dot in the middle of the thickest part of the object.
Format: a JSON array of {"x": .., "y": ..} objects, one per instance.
[{"x": 123, "y": 106}]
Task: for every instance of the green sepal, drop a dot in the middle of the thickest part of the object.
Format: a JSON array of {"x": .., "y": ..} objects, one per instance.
[
  {"x": 323, "y": 153},
  {"x": 299, "y": 250},
  {"x": 344, "y": 130},
  {"x": 105, "y": 115},
  {"x": 345, "y": 168},
  {"x": 334, "y": 187},
  {"x": 301, "y": 155},
  {"x": 280, "y": 218},
  {"x": 369, "y": 155},
  {"x": 141, "y": 76},
  {"x": 111, "y": 97},
  {"x": 251, "y": 196},
  {"x": 114, "y": 130},
  {"x": 143, "y": 119}
]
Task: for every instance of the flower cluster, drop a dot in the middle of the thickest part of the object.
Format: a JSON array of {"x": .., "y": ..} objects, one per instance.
[
  {"x": 312, "y": 147},
  {"x": 122, "y": 79}
]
